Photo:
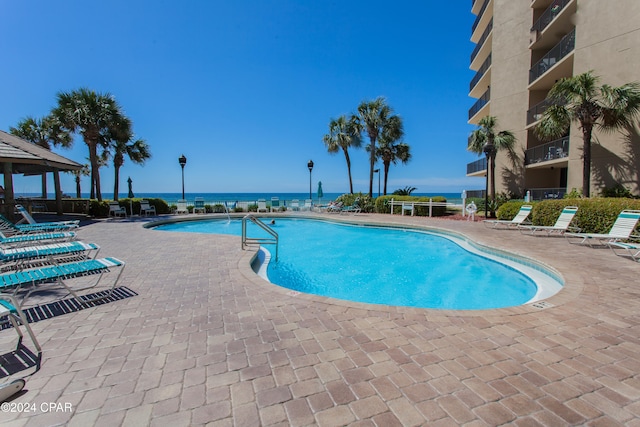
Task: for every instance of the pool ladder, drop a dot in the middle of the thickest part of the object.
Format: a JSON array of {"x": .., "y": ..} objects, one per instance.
[{"x": 273, "y": 240}]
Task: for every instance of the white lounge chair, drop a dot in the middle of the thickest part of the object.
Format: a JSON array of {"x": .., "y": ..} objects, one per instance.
[
  {"x": 116, "y": 210},
  {"x": 622, "y": 229},
  {"x": 181, "y": 207},
  {"x": 275, "y": 204},
  {"x": 29, "y": 239},
  {"x": 10, "y": 308},
  {"x": 626, "y": 249},
  {"x": 22, "y": 257},
  {"x": 519, "y": 219},
  {"x": 262, "y": 205},
  {"x": 353, "y": 209},
  {"x": 308, "y": 205},
  {"x": 295, "y": 205},
  {"x": 198, "y": 205},
  {"x": 10, "y": 228},
  {"x": 562, "y": 225},
  {"x": 147, "y": 208},
  {"x": 52, "y": 224}
]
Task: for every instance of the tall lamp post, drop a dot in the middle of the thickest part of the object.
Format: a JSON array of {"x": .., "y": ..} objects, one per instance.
[
  {"x": 489, "y": 150},
  {"x": 183, "y": 161},
  {"x": 378, "y": 172},
  {"x": 310, "y": 166}
]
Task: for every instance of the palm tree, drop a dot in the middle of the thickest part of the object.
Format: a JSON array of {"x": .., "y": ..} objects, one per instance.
[
  {"x": 389, "y": 150},
  {"x": 486, "y": 140},
  {"x": 85, "y": 171},
  {"x": 342, "y": 135},
  {"x": 137, "y": 151},
  {"x": 45, "y": 132},
  {"x": 579, "y": 99},
  {"x": 372, "y": 117},
  {"x": 98, "y": 118}
]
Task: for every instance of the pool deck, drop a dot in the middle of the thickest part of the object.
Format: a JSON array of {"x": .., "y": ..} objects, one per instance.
[{"x": 207, "y": 342}]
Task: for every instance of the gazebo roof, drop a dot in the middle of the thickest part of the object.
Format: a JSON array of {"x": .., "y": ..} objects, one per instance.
[{"x": 29, "y": 159}]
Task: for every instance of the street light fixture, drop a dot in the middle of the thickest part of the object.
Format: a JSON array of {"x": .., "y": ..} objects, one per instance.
[
  {"x": 183, "y": 161},
  {"x": 378, "y": 172},
  {"x": 489, "y": 151},
  {"x": 310, "y": 166}
]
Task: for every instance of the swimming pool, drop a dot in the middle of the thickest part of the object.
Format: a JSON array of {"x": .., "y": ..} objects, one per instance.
[{"x": 391, "y": 266}]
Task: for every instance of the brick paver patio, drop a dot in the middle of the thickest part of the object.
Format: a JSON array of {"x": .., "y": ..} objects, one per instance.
[{"x": 206, "y": 342}]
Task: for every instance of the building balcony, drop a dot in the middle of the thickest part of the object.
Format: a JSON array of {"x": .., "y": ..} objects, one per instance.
[
  {"x": 481, "y": 80},
  {"x": 480, "y": 106},
  {"x": 484, "y": 15},
  {"x": 547, "y": 193},
  {"x": 477, "y": 168},
  {"x": 553, "y": 58},
  {"x": 551, "y": 23},
  {"x": 535, "y": 113},
  {"x": 482, "y": 47},
  {"x": 553, "y": 153}
]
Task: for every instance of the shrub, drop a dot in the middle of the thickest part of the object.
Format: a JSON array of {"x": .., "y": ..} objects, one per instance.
[
  {"x": 252, "y": 208},
  {"x": 366, "y": 203},
  {"x": 617, "y": 191},
  {"x": 508, "y": 210},
  {"x": 101, "y": 209},
  {"x": 239, "y": 209},
  {"x": 217, "y": 208}
]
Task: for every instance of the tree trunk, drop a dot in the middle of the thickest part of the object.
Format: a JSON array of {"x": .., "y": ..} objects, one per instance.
[
  {"x": 78, "y": 189},
  {"x": 58, "y": 190},
  {"x": 386, "y": 174},
  {"x": 493, "y": 183},
  {"x": 348, "y": 159},
  {"x": 95, "y": 173},
  {"x": 372, "y": 165},
  {"x": 116, "y": 184},
  {"x": 586, "y": 158}
]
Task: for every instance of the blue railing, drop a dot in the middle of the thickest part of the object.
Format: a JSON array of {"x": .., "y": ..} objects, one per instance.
[
  {"x": 484, "y": 99},
  {"x": 549, "y": 15},
  {"x": 559, "y": 51},
  {"x": 553, "y": 150},
  {"x": 483, "y": 69},
  {"x": 477, "y": 166},
  {"x": 483, "y": 38}
]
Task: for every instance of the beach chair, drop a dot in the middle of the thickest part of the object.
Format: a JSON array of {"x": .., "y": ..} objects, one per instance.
[
  {"x": 519, "y": 219},
  {"x": 308, "y": 205},
  {"x": 10, "y": 312},
  {"x": 295, "y": 205},
  {"x": 29, "y": 256},
  {"x": 626, "y": 249},
  {"x": 116, "y": 210},
  {"x": 262, "y": 205},
  {"x": 147, "y": 208},
  {"x": 275, "y": 204},
  {"x": 60, "y": 224},
  {"x": 30, "y": 279},
  {"x": 181, "y": 207},
  {"x": 32, "y": 238},
  {"x": 353, "y": 209},
  {"x": 198, "y": 205},
  {"x": 9, "y": 228},
  {"x": 562, "y": 225},
  {"x": 622, "y": 229},
  {"x": 335, "y": 207}
]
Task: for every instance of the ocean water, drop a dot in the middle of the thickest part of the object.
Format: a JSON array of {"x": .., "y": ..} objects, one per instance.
[{"x": 210, "y": 198}]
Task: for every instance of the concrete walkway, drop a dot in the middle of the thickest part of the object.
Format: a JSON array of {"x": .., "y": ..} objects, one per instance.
[{"x": 206, "y": 342}]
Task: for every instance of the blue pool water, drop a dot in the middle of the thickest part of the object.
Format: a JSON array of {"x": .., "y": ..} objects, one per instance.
[{"x": 388, "y": 266}]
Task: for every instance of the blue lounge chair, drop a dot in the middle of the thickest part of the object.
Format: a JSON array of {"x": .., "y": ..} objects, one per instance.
[
  {"x": 16, "y": 281},
  {"x": 8, "y": 227},
  {"x": 30, "y": 220},
  {"x": 9, "y": 307},
  {"x": 29, "y": 256},
  {"x": 30, "y": 239}
]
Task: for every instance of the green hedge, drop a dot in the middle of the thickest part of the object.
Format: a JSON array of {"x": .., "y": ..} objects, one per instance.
[
  {"x": 101, "y": 209},
  {"x": 595, "y": 215},
  {"x": 382, "y": 205}
]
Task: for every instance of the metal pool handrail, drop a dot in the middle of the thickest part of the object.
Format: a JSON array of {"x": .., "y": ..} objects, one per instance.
[{"x": 258, "y": 240}]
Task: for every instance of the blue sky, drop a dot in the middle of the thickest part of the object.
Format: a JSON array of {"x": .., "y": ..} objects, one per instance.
[{"x": 245, "y": 89}]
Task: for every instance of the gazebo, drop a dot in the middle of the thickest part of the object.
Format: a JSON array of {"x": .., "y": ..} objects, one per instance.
[{"x": 18, "y": 156}]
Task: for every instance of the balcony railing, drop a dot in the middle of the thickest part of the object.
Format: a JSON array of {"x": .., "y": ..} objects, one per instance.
[
  {"x": 559, "y": 51},
  {"x": 483, "y": 38},
  {"x": 535, "y": 113},
  {"x": 477, "y": 166},
  {"x": 484, "y": 99},
  {"x": 553, "y": 150},
  {"x": 549, "y": 15},
  {"x": 483, "y": 69},
  {"x": 547, "y": 193},
  {"x": 479, "y": 17}
]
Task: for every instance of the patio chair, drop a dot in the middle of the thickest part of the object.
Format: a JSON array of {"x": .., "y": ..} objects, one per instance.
[
  {"x": 59, "y": 274},
  {"x": 275, "y": 204},
  {"x": 29, "y": 256},
  {"x": 295, "y": 205},
  {"x": 10, "y": 312},
  {"x": 147, "y": 208},
  {"x": 198, "y": 205},
  {"x": 181, "y": 207},
  {"x": 116, "y": 210},
  {"x": 519, "y": 219},
  {"x": 262, "y": 205},
  {"x": 562, "y": 225},
  {"x": 335, "y": 207},
  {"x": 10, "y": 228},
  {"x": 622, "y": 229},
  {"x": 626, "y": 249},
  {"x": 30, "y": 239},
  {"x": 60, "y": 224},
  {"x": 353, "y": 209},
  {"x": 308, "y": 205}
]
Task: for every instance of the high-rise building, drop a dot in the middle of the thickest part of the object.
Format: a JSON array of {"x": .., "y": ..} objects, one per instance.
[{"x": 522, "y": 48}]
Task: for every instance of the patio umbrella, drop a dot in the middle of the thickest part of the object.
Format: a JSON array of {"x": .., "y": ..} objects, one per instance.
[
  {"x": 320, "y": 193},
  {"x": 131, "y": 196}
]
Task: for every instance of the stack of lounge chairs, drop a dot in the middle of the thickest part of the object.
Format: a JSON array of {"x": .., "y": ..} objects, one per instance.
[{"x": 40, "y": 256}]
